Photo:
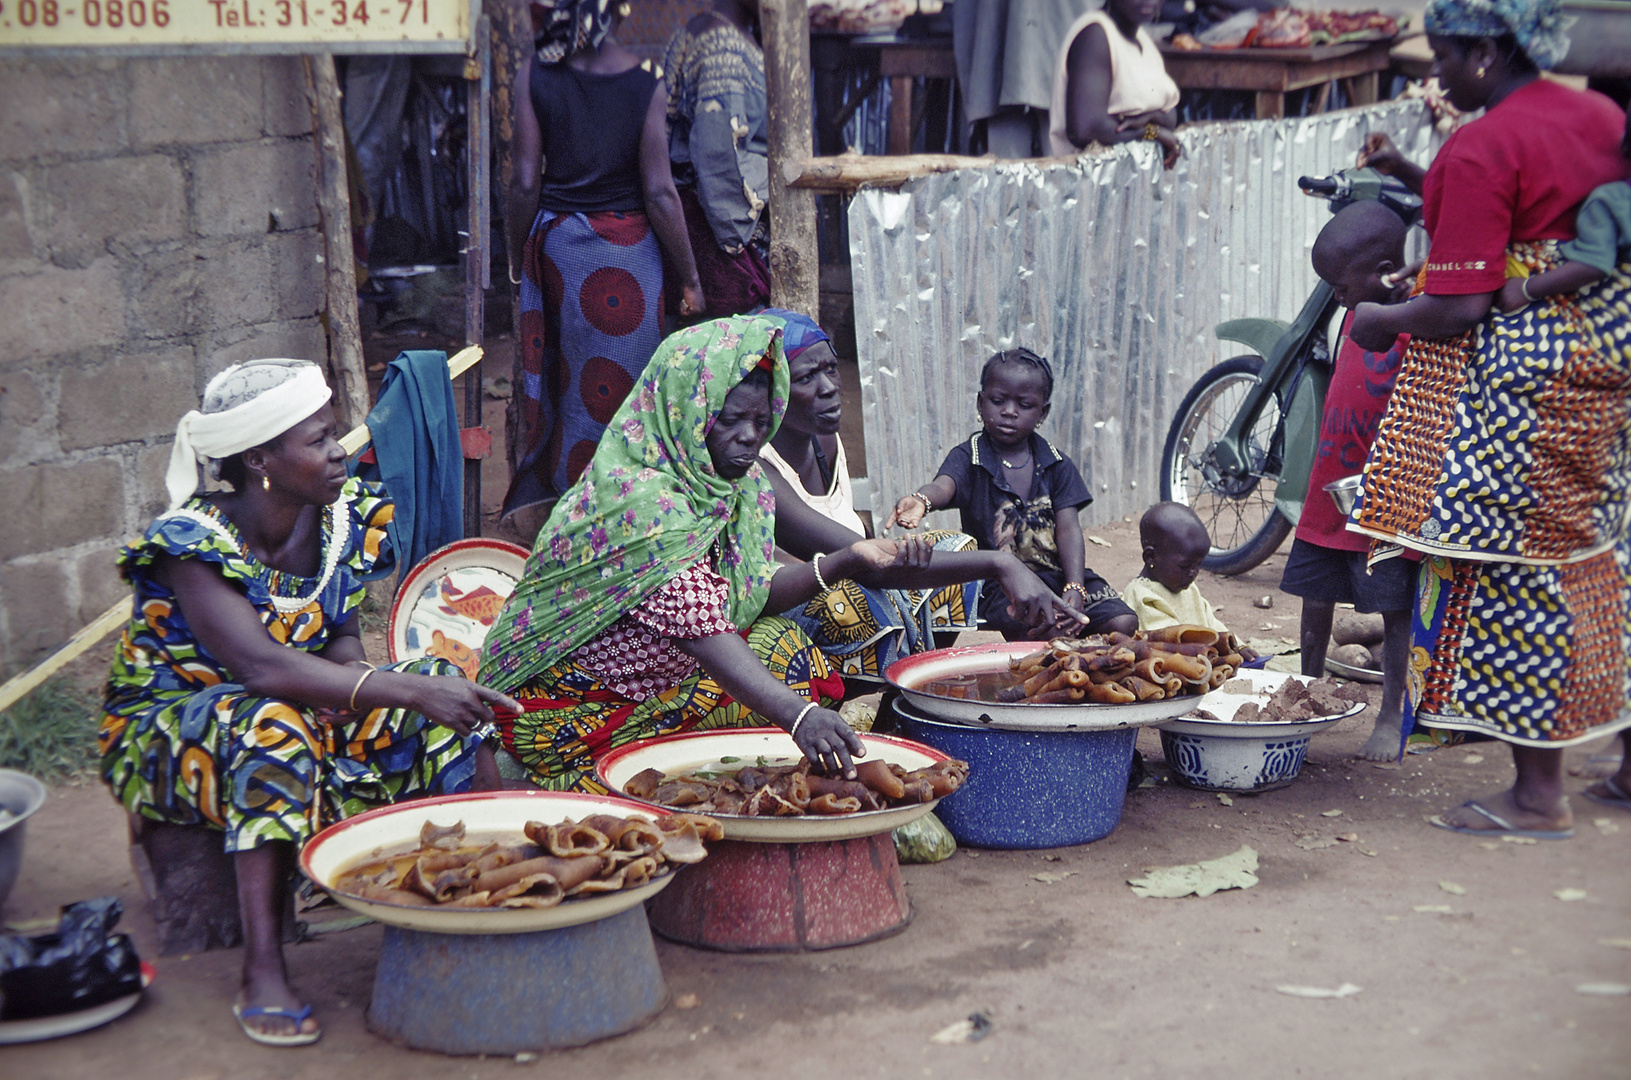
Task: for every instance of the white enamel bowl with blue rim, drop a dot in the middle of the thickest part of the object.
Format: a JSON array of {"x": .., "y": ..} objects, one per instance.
[
  {"x": 1222, "y": 755},
  {"x": 673, "y": 754},
  {"x": 488, "y": 815},
  {"x": 909, "y": 673}
]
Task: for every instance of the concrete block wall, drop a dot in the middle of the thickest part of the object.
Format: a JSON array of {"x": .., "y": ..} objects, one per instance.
[{"x": 158, "y": 221}]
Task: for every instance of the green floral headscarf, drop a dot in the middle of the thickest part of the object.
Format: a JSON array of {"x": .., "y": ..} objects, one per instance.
[{"x": 649, "y": 507}]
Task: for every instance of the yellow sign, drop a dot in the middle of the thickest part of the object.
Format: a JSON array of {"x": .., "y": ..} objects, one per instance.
[{"x": 236, "y": 25}]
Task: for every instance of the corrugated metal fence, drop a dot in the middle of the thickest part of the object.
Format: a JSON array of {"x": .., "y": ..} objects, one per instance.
[{"x": 1112, "y": 268}]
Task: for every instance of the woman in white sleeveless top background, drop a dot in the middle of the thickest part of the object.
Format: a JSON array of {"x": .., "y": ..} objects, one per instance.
[{"x": 1111, "y": 86}]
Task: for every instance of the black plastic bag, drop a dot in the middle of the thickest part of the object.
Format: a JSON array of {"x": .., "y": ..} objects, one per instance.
[{"x": 82, "y": 965}]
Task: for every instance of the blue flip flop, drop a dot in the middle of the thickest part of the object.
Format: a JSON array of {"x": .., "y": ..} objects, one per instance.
[
  {"x": 1503, "y": 827},
  {"x": 295, "y": 1038},
  {"x": 1615, "y": 797}
]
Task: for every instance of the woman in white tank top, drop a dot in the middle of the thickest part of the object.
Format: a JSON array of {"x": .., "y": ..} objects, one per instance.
[
  {"x": 1110, "y": 84},
  {"x": 861, "y": 631}
]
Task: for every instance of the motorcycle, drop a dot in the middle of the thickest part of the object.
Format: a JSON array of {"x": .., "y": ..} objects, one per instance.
[{"x": 1240, "y": 450}]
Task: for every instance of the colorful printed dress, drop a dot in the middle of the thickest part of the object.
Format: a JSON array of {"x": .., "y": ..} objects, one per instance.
[
  {"x": 592, "y": 274},
  {"x": 631, "y": 682},
  {"x": 1505, "y": 453},
  {"x": 182, "y": 743}
]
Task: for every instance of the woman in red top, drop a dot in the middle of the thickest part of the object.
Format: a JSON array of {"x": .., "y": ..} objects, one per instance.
[{"x": 1505, "y": 453}]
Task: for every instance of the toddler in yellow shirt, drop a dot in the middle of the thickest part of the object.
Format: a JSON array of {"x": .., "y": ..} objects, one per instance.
[{"x": 1165, "y": 594}]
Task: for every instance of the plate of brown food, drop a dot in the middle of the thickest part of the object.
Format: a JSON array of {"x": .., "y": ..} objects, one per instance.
[
  {"x": 504, "y": 862},
  {"x": 758, "y": 785},
  {"x": 1266, "y": 704},
  {"x": 1088, "y": 684}
]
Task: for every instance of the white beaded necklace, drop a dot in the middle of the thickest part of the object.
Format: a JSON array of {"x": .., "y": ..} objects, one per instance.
[{"x": 286, "y": 605}]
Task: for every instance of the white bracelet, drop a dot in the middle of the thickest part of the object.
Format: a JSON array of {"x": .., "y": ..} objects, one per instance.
[
  {"x": 1523, "y": 287},
  {"x": 815, "y": 564},
  {"x": 794, "y": 730}
]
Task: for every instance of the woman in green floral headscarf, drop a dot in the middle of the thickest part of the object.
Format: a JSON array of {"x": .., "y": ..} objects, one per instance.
[{"x": 629, "y": 620}]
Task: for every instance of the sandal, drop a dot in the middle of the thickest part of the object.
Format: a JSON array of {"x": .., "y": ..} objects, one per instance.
[
  {"x": 1615, "y": 796},
  {"x": 294, "y": 1038},
  {"x": 1503, "y": 827}
]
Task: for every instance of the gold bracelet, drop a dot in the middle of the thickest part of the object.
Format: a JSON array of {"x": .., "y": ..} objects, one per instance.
[
  {"x": 1078, "y": 586},
  {"x": 351, "y": 706},
  {"x": 922, "y": 498},
  {"x": 1152, "y": 131}
]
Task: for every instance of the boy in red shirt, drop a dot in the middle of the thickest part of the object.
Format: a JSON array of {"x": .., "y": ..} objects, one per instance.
[{"x": 1357, "y": 252}]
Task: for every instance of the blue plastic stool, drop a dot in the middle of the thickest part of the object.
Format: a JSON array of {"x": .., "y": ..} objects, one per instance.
[{"x": 508, "y": 993}]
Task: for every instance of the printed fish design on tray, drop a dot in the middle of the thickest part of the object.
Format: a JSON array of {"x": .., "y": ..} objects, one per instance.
[
  {"x": 481, "y": 604},
  {"x": 467, "y": 660}
]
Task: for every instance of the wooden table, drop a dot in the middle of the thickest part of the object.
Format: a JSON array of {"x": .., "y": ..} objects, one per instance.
[
  {"x": 1273, "y": 72},
  {"x": 902, "y": 63},
  {"x": 862, "y": 61}
]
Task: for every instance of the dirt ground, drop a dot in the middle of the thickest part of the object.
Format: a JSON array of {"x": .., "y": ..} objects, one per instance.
[{"x": 1467, "y": 959}]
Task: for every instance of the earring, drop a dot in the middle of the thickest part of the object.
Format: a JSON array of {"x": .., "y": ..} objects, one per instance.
[
  {"x": 623, "y": 9},
  {"x": 266, "y": 482},
  {"x": 1480, "y": 71}
]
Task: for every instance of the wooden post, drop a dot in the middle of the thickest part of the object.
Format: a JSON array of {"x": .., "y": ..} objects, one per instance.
[
  {"x": 794, "y": 264},
  {"x": 477, "y": 270},
  {"x": 511, "y": 42},
  {"x": 339, "y": 261}
]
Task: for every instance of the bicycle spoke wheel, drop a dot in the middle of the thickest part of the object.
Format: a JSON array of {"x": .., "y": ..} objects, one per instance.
[{"x": 1238, "y": 511}]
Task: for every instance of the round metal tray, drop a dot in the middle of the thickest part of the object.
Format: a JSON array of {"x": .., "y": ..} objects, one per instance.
[
  {"x": 913, "y": 671},
  {"x": 1348, "y": 671},
  {"x": 495, "y": 814},
  {"x": 1223, "y": 706},
  {"x": 674, "y": 753}
]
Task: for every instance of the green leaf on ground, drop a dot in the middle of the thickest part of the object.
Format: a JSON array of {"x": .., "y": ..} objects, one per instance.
[{"x": 1233, "y": 871}]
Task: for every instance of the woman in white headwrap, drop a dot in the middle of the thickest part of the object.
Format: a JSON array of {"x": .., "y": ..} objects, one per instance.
[{"x": 240, "y": 697}]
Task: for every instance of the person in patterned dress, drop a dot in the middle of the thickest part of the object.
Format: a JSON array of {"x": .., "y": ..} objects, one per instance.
[
  {"x": 1505, "y": 452},
  {"x": 642, "y": 611},
  {"x": 596, "y": 233},
  {"x": 240, "y": 698}
]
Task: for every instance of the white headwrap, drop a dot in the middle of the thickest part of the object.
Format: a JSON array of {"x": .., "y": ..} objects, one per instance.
[{"x": 245, "y": 405}]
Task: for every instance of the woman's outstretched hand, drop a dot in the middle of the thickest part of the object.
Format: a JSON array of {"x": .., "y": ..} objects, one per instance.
[
  {"x": 459, "y": 703},
  {"x": 829, "y": 743},
  {"x": 912, "y": 552},
  {"x": 1032, "y": 602}
]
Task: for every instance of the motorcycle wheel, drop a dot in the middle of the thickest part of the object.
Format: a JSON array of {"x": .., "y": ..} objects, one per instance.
[{"x": 1239, "y": 514}]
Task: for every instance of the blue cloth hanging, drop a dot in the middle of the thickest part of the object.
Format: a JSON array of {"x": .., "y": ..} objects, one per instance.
[{"x": 415, "y": 432}]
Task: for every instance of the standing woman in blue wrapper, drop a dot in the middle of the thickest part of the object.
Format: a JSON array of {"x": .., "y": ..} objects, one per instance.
[{"x": 592, "y": 215}]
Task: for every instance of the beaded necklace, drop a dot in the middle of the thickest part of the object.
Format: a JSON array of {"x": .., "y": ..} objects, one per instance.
[{"x": 277, "y": 581}]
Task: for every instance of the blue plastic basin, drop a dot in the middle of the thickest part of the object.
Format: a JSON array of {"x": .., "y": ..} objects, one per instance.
[{"x": 1029, "y": 789}]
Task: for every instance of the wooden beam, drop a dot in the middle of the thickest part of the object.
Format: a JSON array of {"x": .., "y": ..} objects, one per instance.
[
  {"x": 339, "y": 259},
  {"x": 847, "y": 172},
  {"x": 793, "y": 259},
  {"x": 116, "y": 616}
]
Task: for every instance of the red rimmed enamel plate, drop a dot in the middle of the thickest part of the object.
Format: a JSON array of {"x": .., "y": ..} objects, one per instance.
[
  {"x": 447, "y": 603},
  {"x": 686, "y": 753},
  {"x": 909, "y": 673},
  {"x": 489, "y": 815}
]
